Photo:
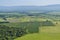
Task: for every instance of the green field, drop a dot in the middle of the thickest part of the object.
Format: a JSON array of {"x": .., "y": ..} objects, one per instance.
[
  {"x": 18, "y": 27},
  {"x": 45, "y": 33}
]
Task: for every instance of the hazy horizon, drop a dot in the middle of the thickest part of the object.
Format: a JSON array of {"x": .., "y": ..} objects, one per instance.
[{"x": 28, "y": 2}]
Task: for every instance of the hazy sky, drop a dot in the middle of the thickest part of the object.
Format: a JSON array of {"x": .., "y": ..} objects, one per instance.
[{"x": 28, "y": 2}]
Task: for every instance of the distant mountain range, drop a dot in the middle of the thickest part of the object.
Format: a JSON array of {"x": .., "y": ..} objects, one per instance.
[{"x": 29, "y": 8}]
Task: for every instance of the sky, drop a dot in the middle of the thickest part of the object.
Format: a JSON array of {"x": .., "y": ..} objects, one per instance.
[{"x": 28, "y": 2}]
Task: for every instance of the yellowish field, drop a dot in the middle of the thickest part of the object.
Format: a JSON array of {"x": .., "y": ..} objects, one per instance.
[{"x": 51, "y": 29}]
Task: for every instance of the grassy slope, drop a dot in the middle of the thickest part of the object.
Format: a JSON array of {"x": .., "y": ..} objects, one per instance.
[
  {"x": 41, "y": 36},
  {"x": 46, "y": 33}
]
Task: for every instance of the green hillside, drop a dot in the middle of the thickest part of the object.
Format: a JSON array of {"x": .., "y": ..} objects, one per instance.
[
  {"x": 29, "y": 27},
  {"x": 41, "y": 36},
  {"x": 45, "y": 33}
]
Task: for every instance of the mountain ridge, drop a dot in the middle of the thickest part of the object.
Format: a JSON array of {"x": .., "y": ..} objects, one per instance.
[{"x": 30, "y": 8}]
